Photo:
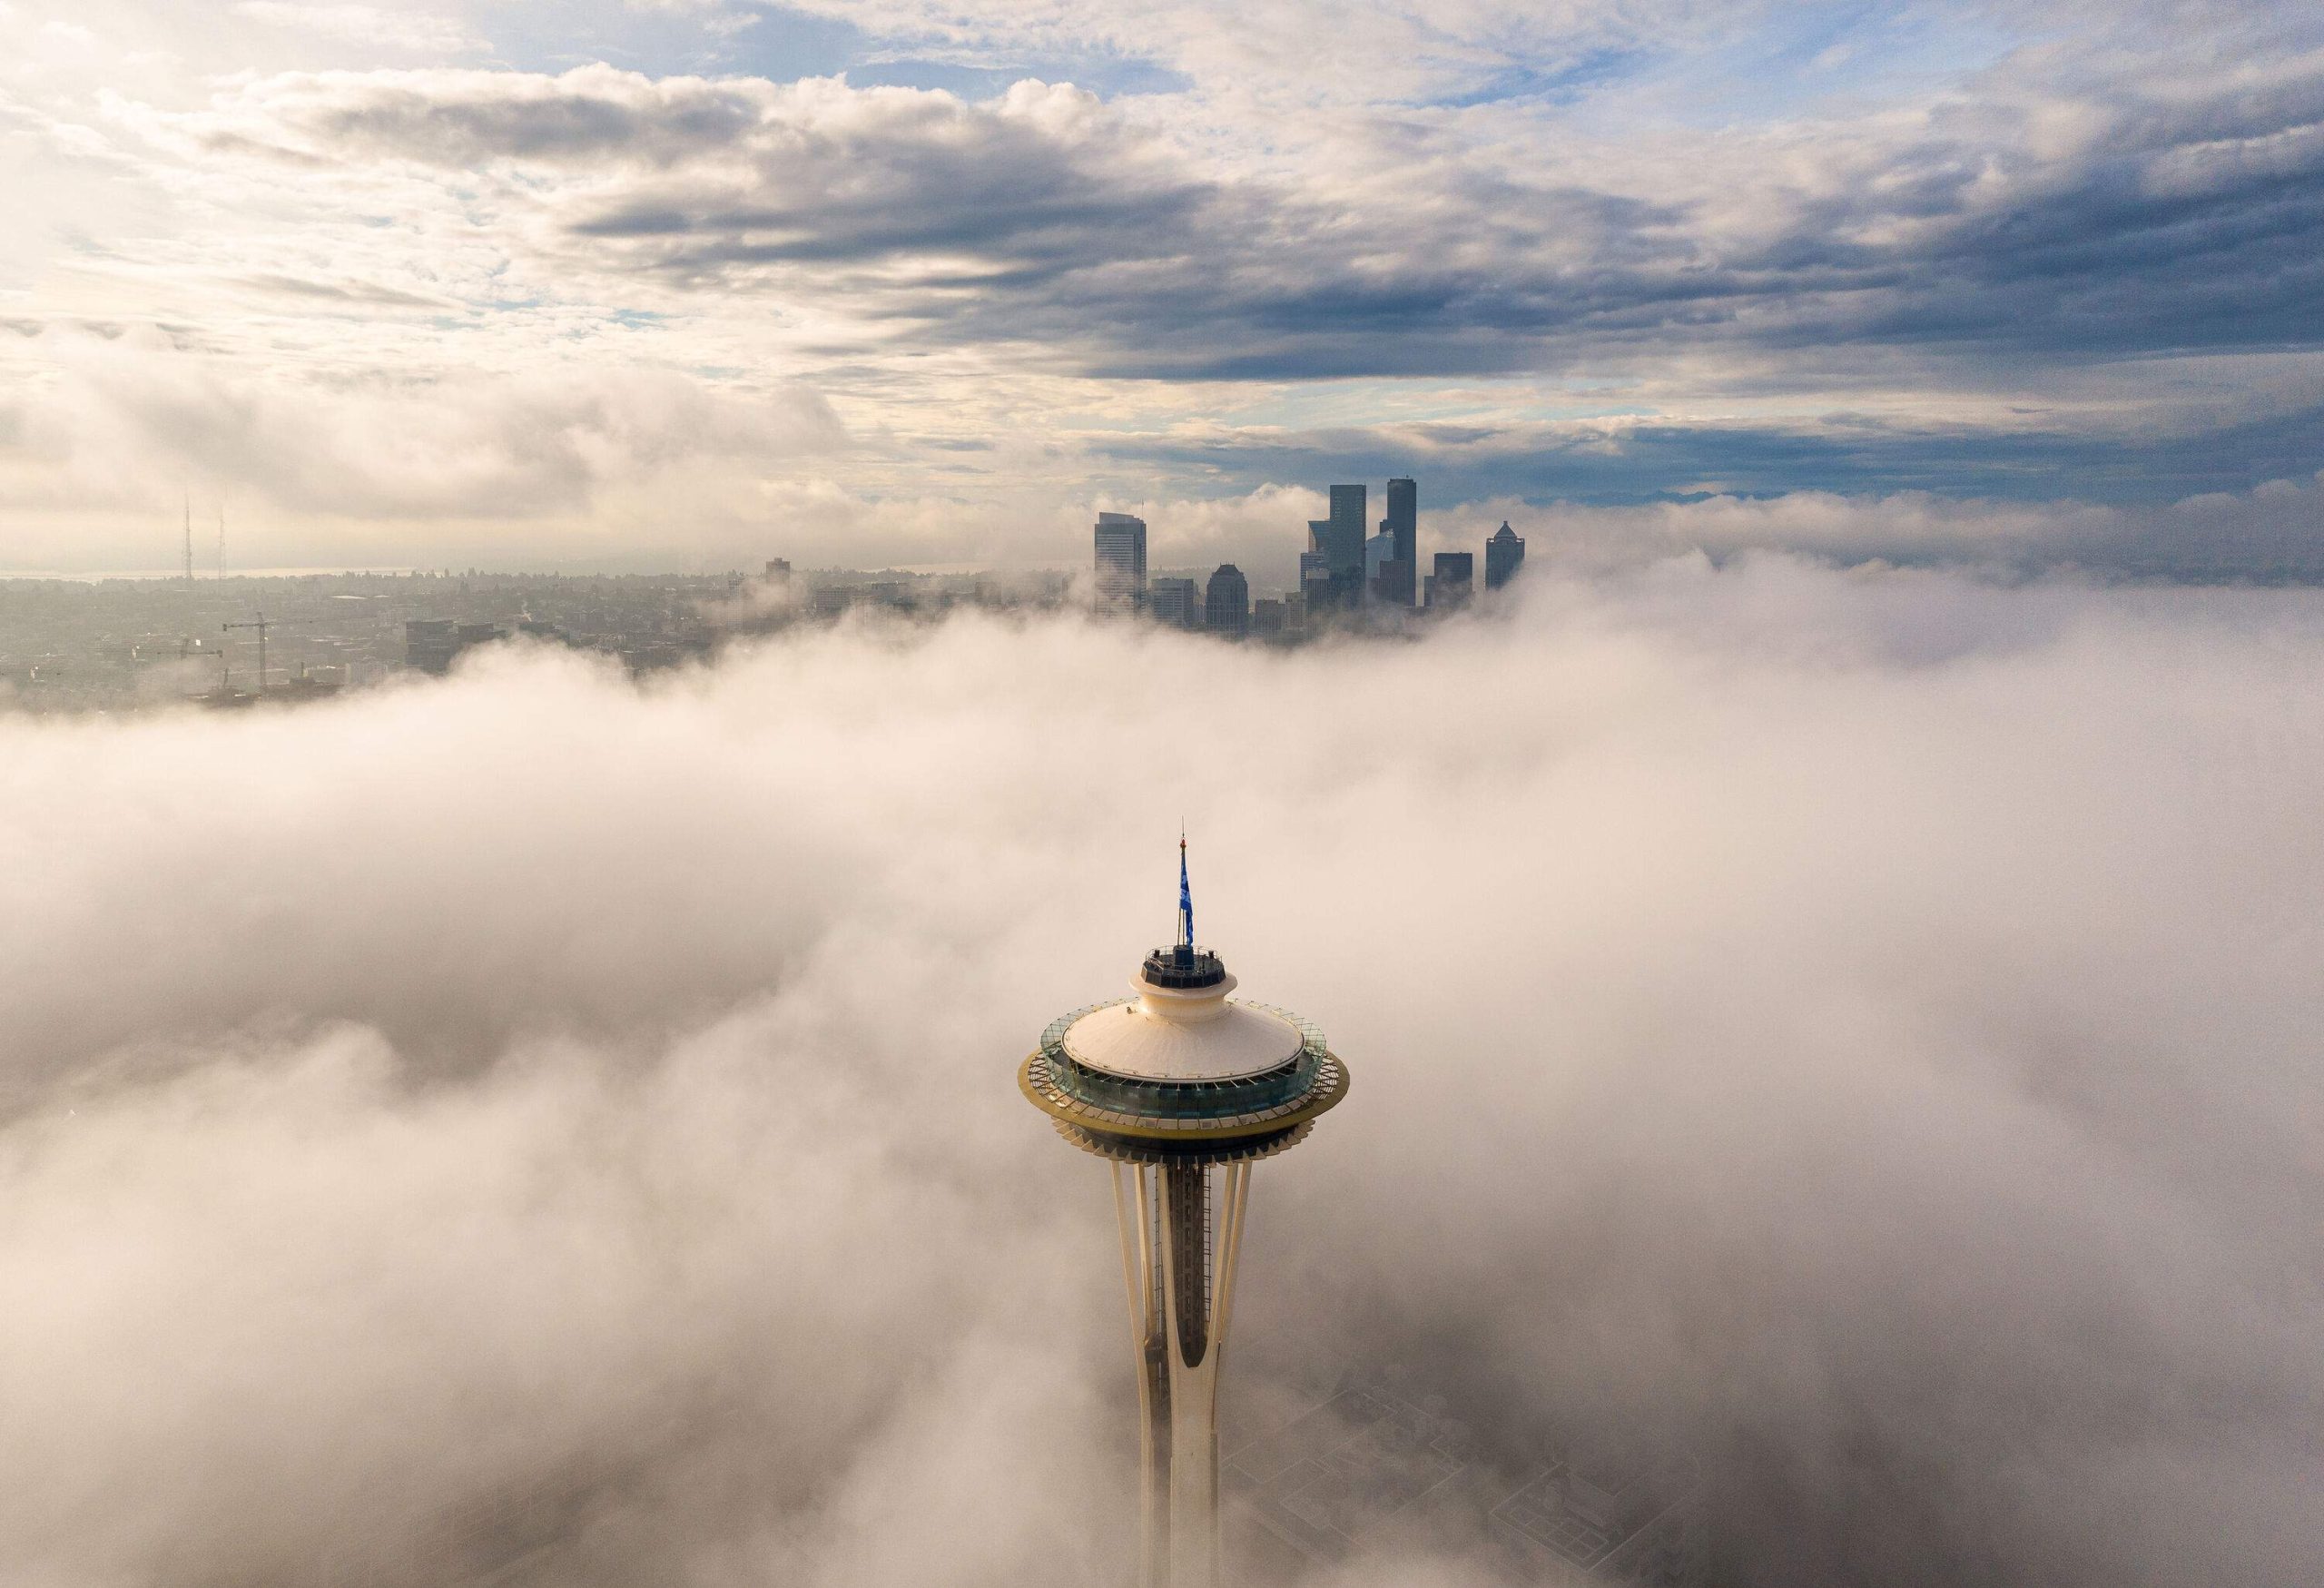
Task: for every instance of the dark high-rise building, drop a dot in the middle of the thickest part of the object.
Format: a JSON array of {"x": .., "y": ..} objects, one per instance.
[
  {"x": 1174, "y": 602},
  {"x": 1314, "y": 582},
  {"x": 1378, "y": 554},
  {"x": 1392, "y": 586},
  {"x": 1456, "y": 577},
  {"x": 1504, "y": 555},
  {"x": 1338, "y": 540},
  {"x": 1402, "y": 522},
  {"x": 1121, "y": 562},
  {"x": 1227, "y": 603},
  {"x": 1346, "y": 548}
]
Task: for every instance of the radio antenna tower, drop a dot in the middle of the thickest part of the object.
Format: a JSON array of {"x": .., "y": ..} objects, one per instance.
[{"x": 188, "y": 537}]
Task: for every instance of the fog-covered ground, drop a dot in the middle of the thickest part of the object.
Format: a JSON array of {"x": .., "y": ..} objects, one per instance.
[{"x": 1860, "y": 1029}]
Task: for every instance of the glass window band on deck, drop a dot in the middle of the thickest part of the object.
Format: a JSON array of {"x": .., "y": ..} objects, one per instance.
[
  {"x": 1185, "y": 1099},
  {"x": 1102, "y": 1131}
]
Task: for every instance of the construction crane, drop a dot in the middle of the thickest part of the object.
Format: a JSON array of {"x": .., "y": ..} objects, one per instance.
[{"x": 261, "y": 625}]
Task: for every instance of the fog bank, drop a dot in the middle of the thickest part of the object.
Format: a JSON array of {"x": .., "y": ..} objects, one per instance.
[{"x": 1859, "y": 1030}]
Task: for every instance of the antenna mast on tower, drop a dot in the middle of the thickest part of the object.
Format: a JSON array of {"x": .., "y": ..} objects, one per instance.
[{"x": 188, "y": 537}]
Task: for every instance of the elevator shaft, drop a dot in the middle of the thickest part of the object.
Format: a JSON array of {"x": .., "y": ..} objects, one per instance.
[{"x": 1181, "y": 1226}]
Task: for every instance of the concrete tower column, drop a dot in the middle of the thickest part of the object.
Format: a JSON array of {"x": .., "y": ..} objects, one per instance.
[
  {"x": 1181, "y": 1088},
  {"x": 1181, "y": 1234}
]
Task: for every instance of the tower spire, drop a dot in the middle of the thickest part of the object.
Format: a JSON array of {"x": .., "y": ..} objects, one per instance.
[
  {"x": 1181, "y": 1089},
  {"x": 1186, "y": 899}
]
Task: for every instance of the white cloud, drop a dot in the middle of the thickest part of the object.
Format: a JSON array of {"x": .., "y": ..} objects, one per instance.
[
  {"x": 2072, "y": 269},
  {"x": 122, "y": 417},
  {"x": 421, "y": 32},
  {"x": 1854, "y": 1025}
]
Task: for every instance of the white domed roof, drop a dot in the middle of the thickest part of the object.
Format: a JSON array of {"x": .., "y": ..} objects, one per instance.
[{"x": 1168, "y": 1033}]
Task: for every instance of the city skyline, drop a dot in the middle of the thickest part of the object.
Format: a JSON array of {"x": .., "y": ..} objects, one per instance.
[
  {"x": 102, "y": 645},
  {"x": 1346, "y": 577}
]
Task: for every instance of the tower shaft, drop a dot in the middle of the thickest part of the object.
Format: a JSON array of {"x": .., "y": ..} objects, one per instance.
[
  {"x": 1181, "y": 1228},
  {"x": 1180, "y": 1089}
]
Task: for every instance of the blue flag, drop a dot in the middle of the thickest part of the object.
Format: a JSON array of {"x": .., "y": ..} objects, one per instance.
[{"x": 1186, "y": 901}]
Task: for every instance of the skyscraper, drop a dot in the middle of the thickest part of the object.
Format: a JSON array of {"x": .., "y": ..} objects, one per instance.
[
  {"x": 1226, "y": 602},
  {"x": 1345, "y": 549},
  {"x": 1121, "y": 562},
  {"x": 1314, "y": 582},
  {"x": 1173, "y": 601},
  {"x": 1455, "y": 579},
  {"x": 1181, "y": 1088},
  {"x": 1379, "y": 557},
  {"x": 1338, "y": 540},
  {"x": 1402, "y": 522},
  {"x": 1504, "y": 555}
]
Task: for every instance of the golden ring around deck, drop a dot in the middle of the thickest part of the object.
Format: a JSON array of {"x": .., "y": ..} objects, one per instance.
[{"x": 1329, "y": 1087}]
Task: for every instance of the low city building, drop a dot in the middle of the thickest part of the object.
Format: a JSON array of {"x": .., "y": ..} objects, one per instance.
[
  {"x": 1451, "y": 584},
  {"x": 1174, "y": 601}
]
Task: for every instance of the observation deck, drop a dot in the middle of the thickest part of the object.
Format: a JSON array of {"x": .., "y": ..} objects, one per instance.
[
  {"x": 1181, "y": 1073},
  {"x": 1181, "y": 1087}
]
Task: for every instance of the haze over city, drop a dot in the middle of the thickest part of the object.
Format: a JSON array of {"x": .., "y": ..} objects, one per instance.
[{"x": 624, "y": 623}]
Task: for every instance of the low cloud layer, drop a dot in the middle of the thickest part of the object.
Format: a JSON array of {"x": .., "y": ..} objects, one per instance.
[
  {"x": 127, "y": 411},
  {"x": 1858, "y": 1028}
]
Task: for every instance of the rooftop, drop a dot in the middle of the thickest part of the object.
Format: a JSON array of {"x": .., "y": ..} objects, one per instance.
[
  {"x": 1179, "y": 1066},
  {"x": 1182, "y": 1033}
]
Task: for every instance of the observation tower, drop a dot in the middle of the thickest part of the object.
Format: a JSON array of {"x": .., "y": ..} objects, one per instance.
[{"x": 1181, "y": 1089}]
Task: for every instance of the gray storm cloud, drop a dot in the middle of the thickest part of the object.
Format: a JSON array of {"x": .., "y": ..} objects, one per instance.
[
  {"x": 1856, "y": 1027},
  {"x": 2038, "y": 216}
]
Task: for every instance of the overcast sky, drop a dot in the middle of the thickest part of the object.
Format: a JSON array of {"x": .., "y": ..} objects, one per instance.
[{"x": 683, "y": 282}]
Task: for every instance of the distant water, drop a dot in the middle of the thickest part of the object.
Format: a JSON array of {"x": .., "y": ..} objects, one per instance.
[{"x": 86, "y": 577}]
